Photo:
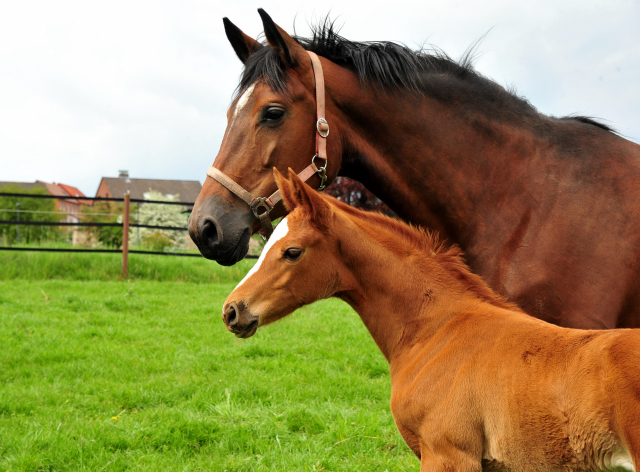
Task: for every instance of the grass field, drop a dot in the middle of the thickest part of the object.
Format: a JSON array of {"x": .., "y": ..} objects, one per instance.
[
  {"x": 97, "y": 266},
  {"x": 99, "y": 374}
]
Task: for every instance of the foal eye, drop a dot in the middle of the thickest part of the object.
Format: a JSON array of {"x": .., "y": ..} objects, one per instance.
[
  {"x": 292, "y": 254},
  {"x": 272, "y": 114}
]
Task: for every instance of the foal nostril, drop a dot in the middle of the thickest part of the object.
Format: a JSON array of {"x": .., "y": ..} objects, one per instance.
[
  {"x": 231, "y": 315},
  {"x": 210, "y": 233}
]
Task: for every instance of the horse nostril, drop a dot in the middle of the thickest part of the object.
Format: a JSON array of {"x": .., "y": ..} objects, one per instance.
[
  {"x": 231, "y": 315},
  {"x": 210, "y": 234}
]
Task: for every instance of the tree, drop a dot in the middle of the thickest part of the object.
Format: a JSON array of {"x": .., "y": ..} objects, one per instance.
[
  {"x": 157, "y": 214},
  {"x": 105, "y": 212},
  {"x": 355, "y": 194},
  {"x": 30, "y": 209}
]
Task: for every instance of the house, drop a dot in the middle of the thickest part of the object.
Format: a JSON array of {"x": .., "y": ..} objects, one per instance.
[
  {"x": 69, "y": 208},
  {"x": 186, "y": 190}
]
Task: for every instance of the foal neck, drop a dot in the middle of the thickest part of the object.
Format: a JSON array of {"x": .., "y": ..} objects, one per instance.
[{"x": 404, "y": 284}]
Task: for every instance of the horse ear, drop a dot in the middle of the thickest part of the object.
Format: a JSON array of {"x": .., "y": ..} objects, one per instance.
[
  {"x": 242, "y": 44},
  {"x": 286, "y": 189},
  {"x": 314, "y": 205},
  {"x": 287, "y": 48}
]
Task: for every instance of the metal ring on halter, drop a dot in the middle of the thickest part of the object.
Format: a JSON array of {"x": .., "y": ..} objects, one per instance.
[
  {"x": 322, "y": 171},
  {"x": 261, "y": 208},
  {"x": 323, "y": 127}
]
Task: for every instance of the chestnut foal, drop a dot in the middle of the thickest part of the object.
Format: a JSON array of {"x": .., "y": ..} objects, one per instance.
[{"x": 476, "y": 383}]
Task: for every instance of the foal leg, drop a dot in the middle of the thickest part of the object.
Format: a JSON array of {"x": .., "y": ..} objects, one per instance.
[{"x": 447, "y": 459}]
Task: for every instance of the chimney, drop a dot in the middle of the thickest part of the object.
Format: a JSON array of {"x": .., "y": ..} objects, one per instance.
[{"x": 123, "y": 174}]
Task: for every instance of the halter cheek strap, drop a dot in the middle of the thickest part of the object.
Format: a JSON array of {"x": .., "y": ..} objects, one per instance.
[{"x": 262, "y": 206}]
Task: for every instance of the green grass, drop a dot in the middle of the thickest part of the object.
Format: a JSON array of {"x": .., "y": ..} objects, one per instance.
[
  {"x": 142, "y": 375},
  {"x": 97, "y": 266}
]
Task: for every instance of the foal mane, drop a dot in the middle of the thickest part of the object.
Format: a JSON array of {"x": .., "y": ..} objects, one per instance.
[
  {"x": 416, "y": 239},
  {"x": 393, "y": 66}
]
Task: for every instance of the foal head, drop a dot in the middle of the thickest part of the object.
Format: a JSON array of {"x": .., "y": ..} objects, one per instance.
[{"x": 299, "y": 265}]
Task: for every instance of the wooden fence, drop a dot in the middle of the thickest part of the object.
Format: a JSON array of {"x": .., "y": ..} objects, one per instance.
[{"x": 125, "y": 225}]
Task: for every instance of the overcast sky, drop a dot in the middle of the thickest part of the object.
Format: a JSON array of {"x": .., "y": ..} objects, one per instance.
[{"x": 88, "y": 88}]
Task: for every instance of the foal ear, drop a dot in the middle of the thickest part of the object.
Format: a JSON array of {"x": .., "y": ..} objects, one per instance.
[
  {"x": 286, "y": 189},
  {"x": 287, "y": 48},
  {"x": 242, "y": 44},
  {"x": 317, "y": 208}
]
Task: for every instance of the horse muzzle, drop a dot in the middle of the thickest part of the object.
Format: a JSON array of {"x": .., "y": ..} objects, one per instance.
[
  {"x": 221, "y": 232},
  {"x": 239, "y": 320}
]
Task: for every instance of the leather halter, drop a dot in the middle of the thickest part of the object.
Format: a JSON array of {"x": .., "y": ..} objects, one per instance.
[{"x": 262, "y": 206}]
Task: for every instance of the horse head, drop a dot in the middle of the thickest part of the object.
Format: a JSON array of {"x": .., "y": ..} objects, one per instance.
[
  {"x": 271, "y": 123},
  {"x": 296, "y": 267}
]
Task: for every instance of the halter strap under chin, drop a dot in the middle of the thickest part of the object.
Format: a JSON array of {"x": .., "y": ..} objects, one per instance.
[{"x": 262, "y": 206}]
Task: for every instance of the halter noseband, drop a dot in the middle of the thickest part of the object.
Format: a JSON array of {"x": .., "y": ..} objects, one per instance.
[{"x": 262, "y": 206}]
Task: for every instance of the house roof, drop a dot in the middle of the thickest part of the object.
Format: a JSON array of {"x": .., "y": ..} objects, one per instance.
[
  {"x": 59, "y": 190},
  {"x": 74, "y": 192},
  {"x": 187, "y": 190},
  {"x": 55, "y": 189}
]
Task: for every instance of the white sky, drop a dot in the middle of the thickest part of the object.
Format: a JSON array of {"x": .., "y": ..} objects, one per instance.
[{"x": 88, "y": 88}]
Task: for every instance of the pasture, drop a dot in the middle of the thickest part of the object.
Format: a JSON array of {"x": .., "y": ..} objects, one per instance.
[{"x": 102, "y": 374}]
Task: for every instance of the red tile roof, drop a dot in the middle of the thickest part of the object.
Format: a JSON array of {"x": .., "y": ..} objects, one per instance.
[{"x": 74, "y": 192}]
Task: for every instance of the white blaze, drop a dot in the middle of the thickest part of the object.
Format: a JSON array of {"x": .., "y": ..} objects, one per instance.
[
  {"x": 242, "y": 101},
  {"x": 280, "y": 232}
]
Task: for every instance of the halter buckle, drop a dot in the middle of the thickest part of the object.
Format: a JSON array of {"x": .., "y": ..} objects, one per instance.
[
  {"x": 261, "y": 208},
  {"x": 323, "y": 127}
]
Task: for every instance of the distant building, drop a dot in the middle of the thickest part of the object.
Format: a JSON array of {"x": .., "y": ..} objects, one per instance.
[
  {"x": 69, "y": 207},
  {"x": 186, "y": 190}
]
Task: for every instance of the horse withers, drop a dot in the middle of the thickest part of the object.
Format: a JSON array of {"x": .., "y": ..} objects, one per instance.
[{"x": 476, "y": 383}]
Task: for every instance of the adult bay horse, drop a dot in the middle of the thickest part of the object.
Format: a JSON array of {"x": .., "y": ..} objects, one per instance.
[
  {"x": 546, "y": 209},
  {"x": 476, "y": 384}
]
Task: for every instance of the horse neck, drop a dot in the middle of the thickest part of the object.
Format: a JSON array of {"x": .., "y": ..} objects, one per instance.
[
  {"x": 402, "y": 294},
  {"x": 422, "y": 155}
]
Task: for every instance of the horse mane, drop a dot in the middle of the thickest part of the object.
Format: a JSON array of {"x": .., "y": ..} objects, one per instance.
[
  {"x": 426, "y": 242},
  {"x": 393, "y": 66}
]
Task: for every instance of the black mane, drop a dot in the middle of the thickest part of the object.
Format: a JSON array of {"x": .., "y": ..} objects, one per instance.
[{"x": 393, "y": 66}]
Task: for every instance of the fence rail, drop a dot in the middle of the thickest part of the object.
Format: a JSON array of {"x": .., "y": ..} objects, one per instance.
[
  {"x": 97, "y": 199},
  {"x": 114, "y": 251},
  {"x": 66, "y": 223},
  {"x": 125, "y": 225}
]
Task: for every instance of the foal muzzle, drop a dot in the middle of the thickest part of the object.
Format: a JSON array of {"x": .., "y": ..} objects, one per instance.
[{"x": 239, "y": 320}]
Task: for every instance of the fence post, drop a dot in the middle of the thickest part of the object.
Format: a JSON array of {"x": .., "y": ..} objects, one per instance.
[
  {"x": 18, "y": 225},
  {"x": 125, "y": 237}
]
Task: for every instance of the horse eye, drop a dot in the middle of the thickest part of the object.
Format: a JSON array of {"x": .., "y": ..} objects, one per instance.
[
  {"x": 272, "y": 114},
  {"x": 292, "y": 254}
]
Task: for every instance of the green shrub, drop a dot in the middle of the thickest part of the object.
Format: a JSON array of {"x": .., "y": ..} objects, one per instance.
[
  {"x": 105, "y": 212},
  {"x": 31, "y": 209}
]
